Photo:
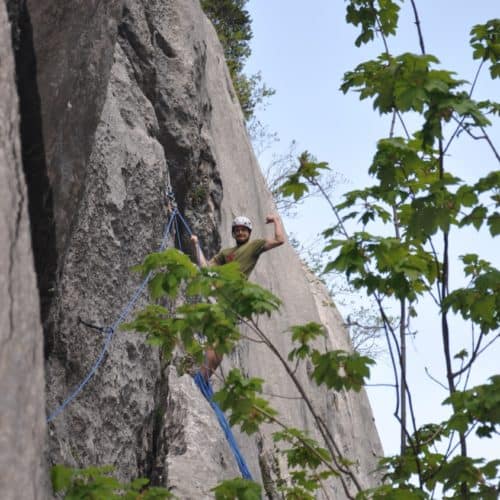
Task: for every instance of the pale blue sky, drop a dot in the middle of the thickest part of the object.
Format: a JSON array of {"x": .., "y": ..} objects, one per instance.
[{"x": 303, "y": 50}]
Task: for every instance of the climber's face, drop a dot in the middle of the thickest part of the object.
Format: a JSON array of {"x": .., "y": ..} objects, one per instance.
[{"x": 241, "y": 234}]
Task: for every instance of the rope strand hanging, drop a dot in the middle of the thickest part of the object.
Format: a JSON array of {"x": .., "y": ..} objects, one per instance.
[{"x": 112, "y": 329}]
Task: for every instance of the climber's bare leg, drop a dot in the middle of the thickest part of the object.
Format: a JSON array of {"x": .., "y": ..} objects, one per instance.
[{"x": 212, "y": 362}]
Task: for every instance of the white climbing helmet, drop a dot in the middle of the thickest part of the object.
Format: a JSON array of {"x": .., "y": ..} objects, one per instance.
[{"x": 242, "y": 221}]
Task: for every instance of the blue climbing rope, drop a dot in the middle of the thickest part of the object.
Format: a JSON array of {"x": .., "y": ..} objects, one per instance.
[
  {"x": 188, "y": 229},
  {"x": 206, "y": 390},
  {"x": 179, "y": 241},
  {"x": 110, "y": 331}
]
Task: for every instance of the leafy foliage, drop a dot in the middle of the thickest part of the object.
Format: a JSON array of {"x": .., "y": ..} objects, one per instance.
[
  {"x": 485, "y": 40},
  {"x": 341, "y": 370},
  {"x": 221, "y": 297},
  {"x": 372, "y": 16},
  {"x": 409, "y": 83},
  {"x": 96, "y": 483},
  {"x": 306, "y": 460},
  {"x": 304, "y": 335},
  {"x": 480, "y": 300},
  {"x": 227, "y": 295},
  {"x": 237, "y": 489},
  {"x": 282, "y": 166},
  {"x": 361, "y": 316},
  {"x": 233, "y": 25},
  {"x": 478, "y": 407},
  {"x": 422, "y": 201},
  {"x": 241, "y": 396},
  {"x": 252, "y": 93},
  {"x": 297, "y": 183}
]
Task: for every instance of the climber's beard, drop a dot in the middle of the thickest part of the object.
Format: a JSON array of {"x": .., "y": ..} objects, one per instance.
[{"x": 241, "y": 236}]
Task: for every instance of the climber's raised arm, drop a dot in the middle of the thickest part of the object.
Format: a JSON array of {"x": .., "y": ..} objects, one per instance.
[
  {"x": 279, "y": 233},
  {"x": 200, "y": 258}
]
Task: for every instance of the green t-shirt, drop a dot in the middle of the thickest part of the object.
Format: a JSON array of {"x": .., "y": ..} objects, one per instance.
[{"x": 246, "y": 255}]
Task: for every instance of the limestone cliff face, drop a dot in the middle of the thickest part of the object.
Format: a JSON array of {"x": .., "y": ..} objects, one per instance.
[
  {"x": 22, "y": 408},
  {"x": 133, "y": 95}
]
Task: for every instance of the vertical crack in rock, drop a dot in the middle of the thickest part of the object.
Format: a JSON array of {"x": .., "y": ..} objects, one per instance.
[
  {"x": 21, "y": 360},
  {"x": 192, "y": 166},
  {"x": 40, "y": 205},
  {"x": 270, "y": 471},
  {"x": 139, "y": 52},
  {"x": 19, "y": 201},
  {"x": 73, "y": 44},
  {"x": 159, "y": 471},
  {"x": 151, "y": 452},
  {"x": 152, "y": 463}
]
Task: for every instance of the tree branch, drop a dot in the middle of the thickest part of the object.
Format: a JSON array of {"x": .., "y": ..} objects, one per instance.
[
  {"x": 479, "y": 137},
  {"x": 309, "y": 447},
  {"x": 323, "y": 429},
  {"x": 419, "y": 28},
  {"x": 460, "y": 125},
  {"x": 428, "y": 373}
]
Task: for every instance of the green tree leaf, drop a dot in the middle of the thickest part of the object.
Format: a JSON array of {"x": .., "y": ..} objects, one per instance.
[{"x": 237, "y": 489}]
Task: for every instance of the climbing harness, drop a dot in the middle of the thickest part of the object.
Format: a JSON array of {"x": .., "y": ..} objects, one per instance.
[{"x": 201, "y": 382}]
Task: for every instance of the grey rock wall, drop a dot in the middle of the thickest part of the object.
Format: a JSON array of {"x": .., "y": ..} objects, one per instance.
[
  {"x": 73, "y": 43},
  {"x": 135, "y": 95},
  {"x": 22, "y": 410}
]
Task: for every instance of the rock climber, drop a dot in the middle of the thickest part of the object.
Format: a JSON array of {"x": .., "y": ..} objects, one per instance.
[{"x": 246, "y": 253}]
